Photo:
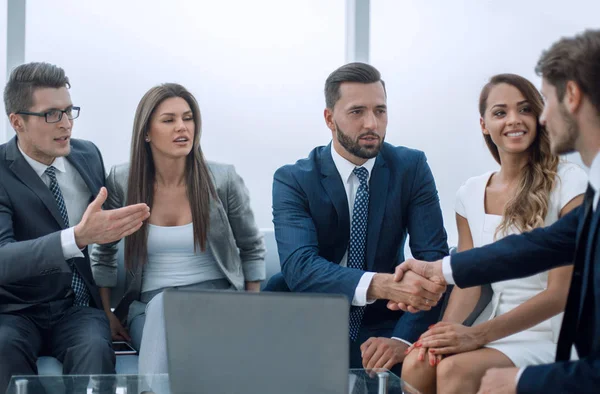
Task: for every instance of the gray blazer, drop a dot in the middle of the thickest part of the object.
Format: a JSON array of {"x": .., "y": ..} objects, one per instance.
[
  {"x": 32, "y": 265},
  {"x": 233, "y": 236}
]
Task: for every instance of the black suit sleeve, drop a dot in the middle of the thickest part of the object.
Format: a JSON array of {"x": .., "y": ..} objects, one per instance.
[
  {"x": 428, "y": 240},
  {"x": 581, "y": 376},
  {"x": 519, "y": 256},
  {"x": 296, "y": 234}
]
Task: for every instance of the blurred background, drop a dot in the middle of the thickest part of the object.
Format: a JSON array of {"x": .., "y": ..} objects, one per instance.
[{"x": 258, "y": 68}]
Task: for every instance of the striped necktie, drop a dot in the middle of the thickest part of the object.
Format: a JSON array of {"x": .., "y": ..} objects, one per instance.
[{"x": 82, "y": 296}]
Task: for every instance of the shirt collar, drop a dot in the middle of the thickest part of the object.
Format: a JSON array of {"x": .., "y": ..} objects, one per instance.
[
  {"x": 594, "y": 174},
  {"x": 40, "y": 168},
  {"x": 345, "y": 167}
]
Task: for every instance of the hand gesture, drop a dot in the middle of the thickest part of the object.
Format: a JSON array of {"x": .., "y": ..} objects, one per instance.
[{"x": 101, "y": 227}]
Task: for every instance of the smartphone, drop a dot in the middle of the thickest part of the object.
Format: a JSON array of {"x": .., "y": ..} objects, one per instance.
[{"x": 121, "y": 347}]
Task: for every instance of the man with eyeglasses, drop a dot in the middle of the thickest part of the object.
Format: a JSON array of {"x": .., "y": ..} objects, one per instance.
[{"x": 51, "y": 195}]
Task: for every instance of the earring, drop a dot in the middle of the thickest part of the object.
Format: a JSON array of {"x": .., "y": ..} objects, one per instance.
[{"x": 147, "y": 139}]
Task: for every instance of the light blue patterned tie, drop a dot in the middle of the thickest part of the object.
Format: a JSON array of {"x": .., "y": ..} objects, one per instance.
[
  {"x": 82, "y": 297},
  {"x": 358, "y": 241}
]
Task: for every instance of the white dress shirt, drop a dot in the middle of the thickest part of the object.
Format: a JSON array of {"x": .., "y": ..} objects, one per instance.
[
  {"x": 75, "y": 193},
  {"x": 594, "y": 180},
  {"x": 351, "y": 183}
]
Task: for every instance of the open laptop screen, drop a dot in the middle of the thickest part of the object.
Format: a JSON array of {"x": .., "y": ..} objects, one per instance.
[{"x": 239, "y": 342}]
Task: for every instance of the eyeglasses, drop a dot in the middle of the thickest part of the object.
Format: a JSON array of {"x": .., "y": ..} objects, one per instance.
[{"x": 54, "y": 115}]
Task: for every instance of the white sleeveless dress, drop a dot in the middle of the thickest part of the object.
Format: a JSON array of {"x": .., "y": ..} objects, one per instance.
[{"x": 536, "y": 345}]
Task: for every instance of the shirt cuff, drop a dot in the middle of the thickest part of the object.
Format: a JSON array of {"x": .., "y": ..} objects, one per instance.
[
  {"x": 447, "y": 271},
  {"x": 402, "y": 340},
  {"x": 69, "y": 246},
  {"x": 360, "y": 294},
  {"x": 519, "y": 375}
]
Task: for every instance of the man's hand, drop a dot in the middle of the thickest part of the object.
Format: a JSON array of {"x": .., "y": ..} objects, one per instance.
[
  {"x": 100, "y": 227},
  {"x": 499, "y": 381},
  {"x": 426, "y": 269},
  {"x": 118, "y": 332},
  {"x": 414, "y": 290},
  {"x": 382, "y": 352},
  {"x": 429, "y": 270}
]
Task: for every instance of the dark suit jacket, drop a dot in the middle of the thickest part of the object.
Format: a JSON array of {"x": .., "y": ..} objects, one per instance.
[
  {"x": 312, "y": 226},
  {"x": 522, "y": 255},
  {"x": 33, "y": 269}
]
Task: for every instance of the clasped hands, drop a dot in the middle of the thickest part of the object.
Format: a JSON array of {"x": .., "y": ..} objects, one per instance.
[{"x": 415, "y": 286}]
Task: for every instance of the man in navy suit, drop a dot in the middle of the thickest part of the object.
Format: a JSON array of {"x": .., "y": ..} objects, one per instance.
[
  {"x": 570, "y": 72},
  {"x": 49, "y": 303},
  {"x": 342, "y": 216}
]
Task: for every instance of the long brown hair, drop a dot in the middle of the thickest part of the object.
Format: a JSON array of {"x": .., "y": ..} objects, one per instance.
[
  {"x": 527, "y": 209},
  {"x": 199, "y": 184}
]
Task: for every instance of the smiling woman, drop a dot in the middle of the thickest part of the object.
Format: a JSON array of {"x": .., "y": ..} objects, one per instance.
[
  {"x": 531, "y": 190},
  {"x": 201, "y": 232}
]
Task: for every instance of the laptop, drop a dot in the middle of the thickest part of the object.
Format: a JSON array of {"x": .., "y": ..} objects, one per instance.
[{"x": 263, "y": 343}]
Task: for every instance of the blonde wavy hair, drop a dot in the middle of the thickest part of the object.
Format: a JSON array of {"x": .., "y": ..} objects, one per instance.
[{"x": 527, "y": 209}]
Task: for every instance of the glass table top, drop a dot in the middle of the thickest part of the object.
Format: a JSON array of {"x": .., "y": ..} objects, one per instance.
[{"x": 360, "y": 381}]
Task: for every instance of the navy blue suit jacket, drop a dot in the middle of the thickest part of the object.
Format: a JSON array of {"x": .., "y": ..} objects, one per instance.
[
  {"x": 523, "y": 255},
  {"x": 33, "y": 269},
  {"x": 312, "y": 226}
]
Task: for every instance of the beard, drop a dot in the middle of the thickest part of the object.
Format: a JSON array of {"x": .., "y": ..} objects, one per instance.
[
  {"x": 565, "y": 143},
  {"x": 353, "y": 147}
]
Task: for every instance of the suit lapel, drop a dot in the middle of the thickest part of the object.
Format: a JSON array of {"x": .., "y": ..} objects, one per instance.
[
  {"x": 28, "y": 176},
  {"x": 332, "y": 183},
  {"x": 588, "y": 258},
  {"x": 573, "y": 307},
  {"x": 378, "y": 188},
  {"x": 77, "y": 159}
]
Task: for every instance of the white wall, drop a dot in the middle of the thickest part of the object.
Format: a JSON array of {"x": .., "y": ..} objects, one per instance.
[
  {"x": 435, "y": 57},
  {"x": 4, "y": 122},
  {"x": 256, "y": 67}
]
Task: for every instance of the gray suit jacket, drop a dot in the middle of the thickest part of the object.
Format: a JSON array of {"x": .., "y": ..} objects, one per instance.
[
  {"x": 233, "y": 236},
  {"x": 33, "y": 269}
]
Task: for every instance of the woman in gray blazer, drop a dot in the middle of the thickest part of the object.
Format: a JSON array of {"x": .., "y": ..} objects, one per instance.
[{"x": 201, "y": 232}]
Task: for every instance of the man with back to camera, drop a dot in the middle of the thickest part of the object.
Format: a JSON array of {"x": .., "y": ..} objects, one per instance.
[
  {"x": 342, "y": 215},
  {"x": 49, "y": 303},
  {"x": 570, "y": 72}
]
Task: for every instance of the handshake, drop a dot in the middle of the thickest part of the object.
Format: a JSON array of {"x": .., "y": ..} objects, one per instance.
[{"x": 415, "y": 286}]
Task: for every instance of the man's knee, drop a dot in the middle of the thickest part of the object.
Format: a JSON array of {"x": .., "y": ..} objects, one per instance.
[
  {"x": 8, "y": 345},
  {"x": 95, "y": 356},
  {"x": 99, "y": 345}
]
